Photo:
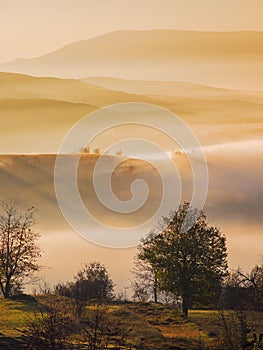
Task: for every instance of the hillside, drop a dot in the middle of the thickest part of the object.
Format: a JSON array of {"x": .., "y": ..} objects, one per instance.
[
  {"x": 148, "y": 325},
  {"x": 152, "y": 326},
  {"x": 30, "y": 179},
  {"x": 49, "y": 107},
  {"x": 174, "y": 89},
  {"x": 19, "y": 86}
]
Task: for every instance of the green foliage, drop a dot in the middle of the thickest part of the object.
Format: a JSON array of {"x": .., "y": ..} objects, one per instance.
[
  {"x": 91, "y": 283},
  {"x": 191, "y": 263},
  {"x": 95, "y": 281}
]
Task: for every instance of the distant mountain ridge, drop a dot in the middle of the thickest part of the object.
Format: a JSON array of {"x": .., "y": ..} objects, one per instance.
[
  {"x": 204, "y": 57},
  {"x": 212, "y": 42}
]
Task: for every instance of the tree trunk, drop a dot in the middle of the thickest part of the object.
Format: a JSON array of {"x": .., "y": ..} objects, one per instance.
[
  {"x": 7, "y": 289},
  {"x": 185, "y": 307},
  {"x": 155, "y": 288},
  {"x": 155, "y": 295}
]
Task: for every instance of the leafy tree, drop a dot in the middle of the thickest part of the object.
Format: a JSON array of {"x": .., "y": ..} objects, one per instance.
[
  {"x": 95, "y": 281},
  {"x": 85, "y": 149},
  {"x": 191, "y": 262},
  {"x": 19, "y": 251},
  {"x": 91, "y": 283}
]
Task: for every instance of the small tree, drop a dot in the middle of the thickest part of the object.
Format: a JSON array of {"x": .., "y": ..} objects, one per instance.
[
  {"x": 191, "y": 263},
  {"x": 101, "y": 329},
  {"x": 253, "y": 282},
  {"x": 94, "y": 282},
  {"x": 50, "y": 329},
  {"x": 235, "y": 330},
  {"x": 19, "y": 251},
  {"x": 145, "y": 283},
  {"x": 236, "y": 293},
  {"x": 91, "y": 283}
]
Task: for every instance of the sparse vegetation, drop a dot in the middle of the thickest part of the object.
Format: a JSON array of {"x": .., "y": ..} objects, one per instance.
[{"x": 124, "y": 325}]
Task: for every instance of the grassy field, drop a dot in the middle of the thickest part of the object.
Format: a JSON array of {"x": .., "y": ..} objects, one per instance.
[{"x": 150, "y": 326}]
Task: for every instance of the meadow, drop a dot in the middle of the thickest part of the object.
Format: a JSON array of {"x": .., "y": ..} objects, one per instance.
[{"x": 149, "y": 325}]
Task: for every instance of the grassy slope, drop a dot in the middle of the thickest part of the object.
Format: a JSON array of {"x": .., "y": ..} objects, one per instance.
[{"x": 151, "y": 326}]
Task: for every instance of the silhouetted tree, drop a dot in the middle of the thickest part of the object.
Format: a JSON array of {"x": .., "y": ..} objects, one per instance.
[
  {"x": 253, "y": 283},
  {"x": 191, "y": 262},
  {"x": 145, "y": 283},
  {"x": 91, "y": 283},
  {"x": 19, "y": 251},
  {"x": 235, "y": 295}
]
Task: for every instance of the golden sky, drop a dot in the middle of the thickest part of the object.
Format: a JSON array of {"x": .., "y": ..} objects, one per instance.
[{"x": 34, "y": 27}]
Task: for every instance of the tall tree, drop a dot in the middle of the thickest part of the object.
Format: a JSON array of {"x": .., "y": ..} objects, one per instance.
[
  {"x": 191, "y": 261},
  {"x": 19, "y": 251}
]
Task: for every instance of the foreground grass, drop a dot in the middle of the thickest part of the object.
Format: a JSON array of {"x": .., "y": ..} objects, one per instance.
[
  {"x": 150, "y": 326},
  {"x": 14, "y": 315}
]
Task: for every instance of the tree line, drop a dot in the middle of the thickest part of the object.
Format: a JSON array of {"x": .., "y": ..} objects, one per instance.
[
  {"x": 177, "y": 263},
  {"x": 186, "y": 266}
]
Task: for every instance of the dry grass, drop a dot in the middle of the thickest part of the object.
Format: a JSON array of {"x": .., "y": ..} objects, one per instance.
[{"x": 150, "y": 326}]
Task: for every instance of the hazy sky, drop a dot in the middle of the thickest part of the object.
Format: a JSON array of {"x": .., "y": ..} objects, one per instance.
[{"x": 33, "y": 27}]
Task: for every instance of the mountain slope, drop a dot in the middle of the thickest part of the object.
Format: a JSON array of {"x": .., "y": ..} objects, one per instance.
[{"x": 205, "y": 57}]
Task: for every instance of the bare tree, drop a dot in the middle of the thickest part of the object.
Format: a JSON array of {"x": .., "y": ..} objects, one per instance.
[
  {"x": 19, "y": 251},
  {"x": 145, "y": 283},
  {"x": 101, "y": 329},
  {"x": 50, "y": 329},
  {"x": 253, "y": 281}
]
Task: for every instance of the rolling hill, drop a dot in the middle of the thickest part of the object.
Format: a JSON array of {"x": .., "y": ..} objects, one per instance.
[
  {"x": 173, "y": 89},
  {"x": 20, "y": 86},
  {"x": 35, "y": 109}
]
